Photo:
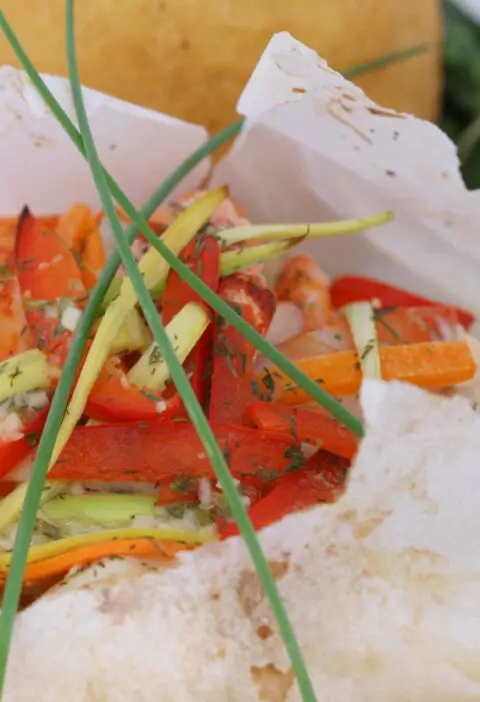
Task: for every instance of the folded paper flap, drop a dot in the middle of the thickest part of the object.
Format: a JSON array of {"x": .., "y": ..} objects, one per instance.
[
  {"x": 315, "y": 146},
  {"x": 40, "y": 167}
]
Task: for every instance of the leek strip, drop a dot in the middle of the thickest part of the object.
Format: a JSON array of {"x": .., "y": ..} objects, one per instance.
[
  {"x": 151, "y": 370},
  {"x": 24, "y": 372},
  {"x": 361, "y": 319}
]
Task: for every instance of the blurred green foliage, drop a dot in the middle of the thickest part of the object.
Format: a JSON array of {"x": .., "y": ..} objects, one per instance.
[{"x": 461, "y": 108}]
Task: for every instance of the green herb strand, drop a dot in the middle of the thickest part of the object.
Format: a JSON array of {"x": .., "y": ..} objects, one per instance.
[
  {"x": 180, "y": 378},
  {"x": 60, "y": 399},
  {"x": 387, "y": 60}
]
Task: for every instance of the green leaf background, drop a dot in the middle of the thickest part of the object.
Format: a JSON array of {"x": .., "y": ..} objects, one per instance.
[{"x": 461, "y": 104}]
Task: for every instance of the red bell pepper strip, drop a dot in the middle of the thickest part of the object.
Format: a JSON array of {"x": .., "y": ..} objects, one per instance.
[
  {"x": 322, "y": 480},
  {"x": 252, "y": 488},
  {"x": 181, "y": 490},
  {"x": 233, "y": 355},
  {"x": 303, "y": 424},
  {"x": 202, "y": 256},
  {"x": 47, "y": 273},
  {"x": 256, "y": 487},
  {"x": 114, "y": 399},
  {"x": 6, "y": 487},
  {"x": 12, "y": 452},
  {"x": 163, "y": 450},
  {"x": 353, "y": 288}
]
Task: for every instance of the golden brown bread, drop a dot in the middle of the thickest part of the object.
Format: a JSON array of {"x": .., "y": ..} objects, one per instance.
[{"x": 191, "y": 58}]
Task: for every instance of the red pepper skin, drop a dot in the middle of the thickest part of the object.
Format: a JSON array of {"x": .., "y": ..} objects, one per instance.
[
  {"x": 322, "y": 480},
  {"x": 46, "y": 271},
  {"x": 113, "y": 399},
  {"x": 12, "y": 452},
  {"x": 181, "y": 490},
  {"x": 353, "y": 288},
  {"x": 233, "y": 354},
  {"x": 166, "y": 449},
  {"x": 202, "y": 256},
  {"x": 304, "y": 424}
]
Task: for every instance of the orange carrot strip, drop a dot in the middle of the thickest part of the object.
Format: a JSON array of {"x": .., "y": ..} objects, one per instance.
[
  {"x": 74, "y": 226},
  {"x": 430, "y": 365},
  {"x": 15, "y": 335},
  {"x": 79, "y": 229},
  {"x": 93, "y": 260},
  {"x": 57, "y": 566}
]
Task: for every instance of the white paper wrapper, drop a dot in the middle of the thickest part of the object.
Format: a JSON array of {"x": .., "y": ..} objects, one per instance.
[
  {"x": 316, "y": 147},
  {"x": 40, "y": 167}
]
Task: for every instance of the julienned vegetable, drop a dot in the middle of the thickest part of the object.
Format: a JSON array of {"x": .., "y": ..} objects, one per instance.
[
  {"x": 284, "y": 454},
  {"x": 321, "y": 480},
  {"x": 306, "y": 424},
  {"x": 233, "y": 355},
  {"x": 351, "y": 288},
  {"x": 48, "y": 569},
  {"x": 361, "y": 319},
  {"x": 154, "y": 452},
  {"x": 433, "y": 366}
]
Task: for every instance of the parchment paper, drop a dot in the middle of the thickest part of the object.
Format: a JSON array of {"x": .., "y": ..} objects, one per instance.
[
  {"x": 316, "y": 147},
  {"x": 40, "y": 167}
]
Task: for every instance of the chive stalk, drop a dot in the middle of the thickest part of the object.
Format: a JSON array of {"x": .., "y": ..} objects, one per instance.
[{"x": 180, "y": 379}]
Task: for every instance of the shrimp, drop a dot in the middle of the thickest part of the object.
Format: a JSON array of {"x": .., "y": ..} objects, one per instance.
[
  {"x": 226, "y": 216},
  {"x": 303, "y": 282}
]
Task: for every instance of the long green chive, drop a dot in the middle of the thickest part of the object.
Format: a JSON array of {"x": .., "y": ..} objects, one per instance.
[
  {"x": 180, "y": 377},
  {"x": 33, "y": 494},
  {"x": 468, "y": 140},
  {"x": 387, "y": 60}
]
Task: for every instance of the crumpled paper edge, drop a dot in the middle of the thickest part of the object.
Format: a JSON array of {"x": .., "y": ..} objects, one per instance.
[
  {"x": 39, "y": 166},
  {"x": 335, "y": 153}
]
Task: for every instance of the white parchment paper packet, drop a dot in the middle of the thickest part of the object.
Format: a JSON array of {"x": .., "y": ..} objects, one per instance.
[
  {"x": 40, "y": 167},
  {"x": 316, "y": 147}
]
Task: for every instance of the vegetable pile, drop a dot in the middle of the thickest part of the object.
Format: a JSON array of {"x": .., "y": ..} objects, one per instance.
[{"x": 133, "y": 478}]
